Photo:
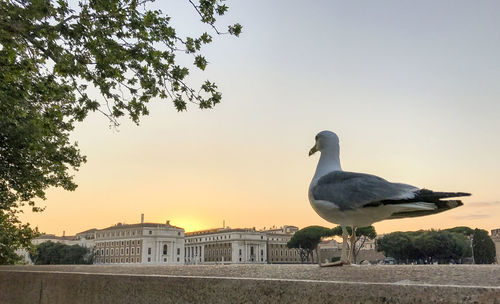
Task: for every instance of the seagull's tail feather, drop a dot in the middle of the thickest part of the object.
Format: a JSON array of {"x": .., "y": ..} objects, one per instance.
[
  {"x": 440, "y": 207},
  {"x": 431, "y": 196},
  {"x": 426, "y": 197}
]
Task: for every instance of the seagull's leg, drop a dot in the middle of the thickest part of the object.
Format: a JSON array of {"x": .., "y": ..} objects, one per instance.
[
  {"x": 353, "y": 243},
  {"x": 343, "y": 255}
]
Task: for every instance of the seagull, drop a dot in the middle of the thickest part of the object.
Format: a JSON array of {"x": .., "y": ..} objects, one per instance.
[{"x": 359, "y": 199}]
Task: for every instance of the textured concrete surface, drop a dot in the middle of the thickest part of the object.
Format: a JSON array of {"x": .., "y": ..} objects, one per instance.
[{"x": 250, "y": 284}]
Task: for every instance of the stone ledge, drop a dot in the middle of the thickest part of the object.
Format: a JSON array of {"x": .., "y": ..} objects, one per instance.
[{"x": 42, "y": 286}]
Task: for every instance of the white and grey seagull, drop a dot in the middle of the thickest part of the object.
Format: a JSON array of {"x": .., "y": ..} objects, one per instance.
[{"x": 359, "y": 199}]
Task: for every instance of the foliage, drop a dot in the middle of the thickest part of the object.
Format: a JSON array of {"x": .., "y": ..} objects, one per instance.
[
  {"x": 461, "y": 229},
  {"x": 398, "y": 245},
  {"x": 426, "y": 246},
  {"x": 484, "y": 247},
  {"x": 54, "y": 54},
  {"x": 48, "y": 253},
  {"x": 13, "y": 235},
  {"x": 442, "y": 245},
  {"x": 306, "y": 240}
]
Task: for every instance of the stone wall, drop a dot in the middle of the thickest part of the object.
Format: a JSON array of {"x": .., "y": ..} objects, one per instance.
[{"x": 63, "y": 287}]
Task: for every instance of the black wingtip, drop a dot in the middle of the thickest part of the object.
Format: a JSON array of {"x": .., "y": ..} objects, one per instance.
[{"x": 429, "y": 194}]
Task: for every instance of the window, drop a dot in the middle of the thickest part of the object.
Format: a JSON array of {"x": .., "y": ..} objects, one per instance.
[
  {"x": 133, "y": 242},
  {"x": 102, "y": 251},
  {"x": 107, "y": 251},
  {"x": 165, "y": 249},
  {"x": 112, "y": 251},
  {"x": 126, "y": 260},
  {"x": 165, "y": 260},
  {"x": 132, "y": 250},
  {"x": 150, "y": 232},
  {"x": 122, "y": 243},
  {"x": 178, "y": 251},
  {"x": 128, "y": 243},
  {"x": 121, "y": 260},
  {"x": 126, "y": 251},
  {"x": 149, "y": 259},
  {"x": 177, "y": 259},
  {"x": 138, "y": 250},
  {"x": 149, "y": 250},
  {"x": 262, "y": 252},
  {"x": 121, "y": 251},
  {"x": 240, "y": 253}
]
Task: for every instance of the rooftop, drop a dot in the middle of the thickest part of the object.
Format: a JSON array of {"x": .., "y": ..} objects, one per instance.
[{"x": 149, "y": 225}]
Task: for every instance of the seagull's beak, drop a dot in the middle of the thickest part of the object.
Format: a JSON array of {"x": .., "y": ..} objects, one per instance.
[{"x": 313, "y": 150}]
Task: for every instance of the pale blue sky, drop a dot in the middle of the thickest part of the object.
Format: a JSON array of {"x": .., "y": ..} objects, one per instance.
[{"x": 412, "y": 88}]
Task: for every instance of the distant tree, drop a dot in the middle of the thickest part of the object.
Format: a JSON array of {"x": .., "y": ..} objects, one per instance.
[
  {"x": 306, "y": 240},
  {"x": 429, "y": 246},
  {"x": 461, "y": 229},
  {"x": 362, "y": 235},
  {"x": 48, "y": 253},
  {"x": 398, "y": 245},
  {"x": 61, "y": 60},
  {"x": 14, "y": 235},
  {"x": 483, "y": 247},
  {"x": 442, "y": 246}
]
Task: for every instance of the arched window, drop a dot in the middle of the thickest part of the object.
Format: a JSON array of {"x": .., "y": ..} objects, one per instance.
[{"x": 165, "y": 249}]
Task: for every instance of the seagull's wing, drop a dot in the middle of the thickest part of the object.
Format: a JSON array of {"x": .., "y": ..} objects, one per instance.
[{"x": 350, "y": 190}]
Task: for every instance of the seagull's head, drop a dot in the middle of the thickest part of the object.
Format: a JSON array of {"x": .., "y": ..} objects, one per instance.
[{"x": 325, "y": 140}]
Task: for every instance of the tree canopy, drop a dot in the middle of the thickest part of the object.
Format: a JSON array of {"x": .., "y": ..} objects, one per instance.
[
  {"x": 484, "y": 247},
  {"x": 55, "y": 56},
  {"x": 13, "y": 235},
  {"x": 49, "y": 253},
  {"x": 306, "y": 240},
  {"x": 426, "y": 246}
]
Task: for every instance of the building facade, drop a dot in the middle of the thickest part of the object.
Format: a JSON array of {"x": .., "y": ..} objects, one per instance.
[
  {"x": 225, "y": 245},
  {"x": 277, "y": 251},
  {"x": 144, "y": 243},
  {"x": 238, "y": 246}
]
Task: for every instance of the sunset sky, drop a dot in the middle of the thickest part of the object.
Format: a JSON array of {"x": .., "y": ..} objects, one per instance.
[{"x": 412, "y": 88}]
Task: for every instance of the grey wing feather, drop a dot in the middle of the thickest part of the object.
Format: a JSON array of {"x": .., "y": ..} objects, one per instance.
[{"x": 350, "y": 190}]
